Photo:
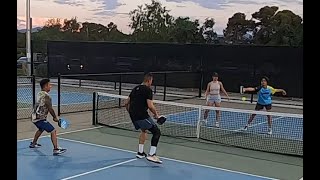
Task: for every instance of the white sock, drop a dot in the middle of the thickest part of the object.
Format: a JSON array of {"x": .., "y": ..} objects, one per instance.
[
  {"x": 152, "y": 150},
  {"x": 140, "y": 148}
]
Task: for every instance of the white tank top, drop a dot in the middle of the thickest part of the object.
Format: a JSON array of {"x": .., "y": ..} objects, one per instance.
[{"x": 214, "y": 88}]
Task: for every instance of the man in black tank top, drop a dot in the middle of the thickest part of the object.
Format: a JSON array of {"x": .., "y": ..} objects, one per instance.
[{"x": 137, "y": 104}]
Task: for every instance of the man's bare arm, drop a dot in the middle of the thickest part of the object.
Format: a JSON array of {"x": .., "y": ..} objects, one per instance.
[
  {"x": 127, "y": 104},
  {"x": 50, "y": 108},
  {"x": 152, "y": 108}
]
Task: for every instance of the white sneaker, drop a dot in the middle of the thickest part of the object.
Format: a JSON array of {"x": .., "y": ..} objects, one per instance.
[
  {"x": 59, "y": 151},
  {"x": 34, "y": 145},
  {"x": 270, "y": 131},
  {"x": 245, "y": 128},
  {"x": 154, "y": 158},
  {"x": 205, "y": 121}
]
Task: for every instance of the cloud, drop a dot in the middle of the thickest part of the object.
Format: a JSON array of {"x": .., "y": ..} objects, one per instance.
[
  {"x": 211, "y": 4},
  {"x": 300, "y": 2},
  {"x": 69, "y": 2},
  {"x": 105, "y": 13},
  {"x": 243, "y": 2},
  {"x": 221, "y": 4},
  {"x": 180, "y": 6},
  {"x": 110, "y": 4},
  {"x": 21, "y": 23}
]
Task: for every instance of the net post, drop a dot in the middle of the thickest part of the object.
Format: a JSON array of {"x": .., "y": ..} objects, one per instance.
[
  {"x": 165, "y": 86},
  {"x": 198, "y": 123},
  {"x": 59, "y": 93},
  {"x": 94, "y": 97},
  {"x": 251, "y": 100},
  {"x": 33, "y": 90},
  {"x": 115, "y": 85}
]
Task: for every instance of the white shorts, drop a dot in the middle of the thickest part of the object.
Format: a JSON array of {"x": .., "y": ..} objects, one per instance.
[{"x": 214, "y": 99}]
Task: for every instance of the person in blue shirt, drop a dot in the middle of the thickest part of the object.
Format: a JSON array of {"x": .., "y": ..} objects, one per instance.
[{"x": 264, "y": 92}]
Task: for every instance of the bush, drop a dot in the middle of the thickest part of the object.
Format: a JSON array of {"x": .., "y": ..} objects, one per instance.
[{"x": 41, "y": 70}]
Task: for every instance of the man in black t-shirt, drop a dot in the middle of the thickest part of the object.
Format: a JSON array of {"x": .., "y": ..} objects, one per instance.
[{"x": 138, "y": 103}]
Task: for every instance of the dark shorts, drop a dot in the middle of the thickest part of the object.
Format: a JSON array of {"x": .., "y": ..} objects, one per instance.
[
  {"x": 144, "y": 124},
  {"x": 260, "y": 107},
  {"x": 44, "y": 125}
]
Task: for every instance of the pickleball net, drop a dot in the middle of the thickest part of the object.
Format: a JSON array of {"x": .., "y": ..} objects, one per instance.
[{"x": 186, "y": 120}]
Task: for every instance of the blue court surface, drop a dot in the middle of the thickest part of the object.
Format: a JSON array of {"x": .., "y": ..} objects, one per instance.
[
  {"x": 282, "y": 127},
  {"x": 90, "y": 161},
  {"x": 24, "y": 95}
]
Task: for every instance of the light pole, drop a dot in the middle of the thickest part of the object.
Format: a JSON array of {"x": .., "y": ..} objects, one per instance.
[{"x": 28, "y": 36}]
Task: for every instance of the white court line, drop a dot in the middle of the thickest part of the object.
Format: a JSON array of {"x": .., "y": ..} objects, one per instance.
[
  {"x": 175, "y": 160},
  {"x": 68, "y": 132},
  {"x": 301, "y": 178},
  {"x": 100, "y": 169}
]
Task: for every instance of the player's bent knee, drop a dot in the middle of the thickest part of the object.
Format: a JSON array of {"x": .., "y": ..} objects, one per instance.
[
  {"x": 53, "y": 131},
  {"x": 143, "y": 131},
  {"x": 155, "y": 131}
]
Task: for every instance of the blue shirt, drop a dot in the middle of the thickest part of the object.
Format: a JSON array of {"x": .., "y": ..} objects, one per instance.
[{"x": 264, "y": 94}]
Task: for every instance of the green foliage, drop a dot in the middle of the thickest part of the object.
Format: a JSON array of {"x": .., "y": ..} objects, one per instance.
[
  {"x": 153, "y": 23},
  {"x": 41, "y": 70}
]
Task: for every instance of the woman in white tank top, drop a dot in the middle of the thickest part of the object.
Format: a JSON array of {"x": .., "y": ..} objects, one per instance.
[{"x": 213, "y": 97}]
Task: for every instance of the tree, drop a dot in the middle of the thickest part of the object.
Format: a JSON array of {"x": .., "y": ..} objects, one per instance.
[
  {"x": 99, "y": 32},
  {"x": 207, "y": 31},
  {"x": 21, "y": 40},
  {"x": 186, "y": 31},
  {"x": 71, "y": 29},
  {"x": 93, "y": 32},
  {"x": 151, "y": 22},
  {"x": 51, "y": 31},
  {"x": 237, "y": 29},
  {"x": 277, "y": 28},
  {"x": 287, "y": 29}
]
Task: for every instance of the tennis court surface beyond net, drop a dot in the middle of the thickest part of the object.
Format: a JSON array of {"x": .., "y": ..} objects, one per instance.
[{"x": 186, "y": 120}]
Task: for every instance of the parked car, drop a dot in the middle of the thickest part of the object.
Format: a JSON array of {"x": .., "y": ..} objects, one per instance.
[{"x": 20, "y": 61}]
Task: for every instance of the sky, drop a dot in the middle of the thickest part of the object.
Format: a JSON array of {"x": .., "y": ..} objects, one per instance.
[{"x": 117, "y": 11}]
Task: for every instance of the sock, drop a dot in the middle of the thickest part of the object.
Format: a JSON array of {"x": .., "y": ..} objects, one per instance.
[
  {"x": 152, "y": 150},
  {"x": 140, "y": 148}
]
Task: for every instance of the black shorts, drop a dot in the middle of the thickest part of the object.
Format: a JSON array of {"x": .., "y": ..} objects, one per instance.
[
  {"x": 144, "y": 124},
  {"x": 44, "y": 125},
  {"x": 260, "y": 107}
]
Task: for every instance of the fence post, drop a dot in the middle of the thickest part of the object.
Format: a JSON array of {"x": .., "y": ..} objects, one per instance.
[
  {"x": 200, "y": 84},
  {"x": 165, "y": 86},
  {"x": 120, "y": 88},
  {"x": 33, "y": 90},
  {"x": 251, "y": 100},
  {"x": 59, "y": 93},
  {"x": 32, "y": 61},
  {"x": 94, "y": 122}
]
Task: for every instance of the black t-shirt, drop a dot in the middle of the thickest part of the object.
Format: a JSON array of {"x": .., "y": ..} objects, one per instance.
[{"x": 138, "y": 108}]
